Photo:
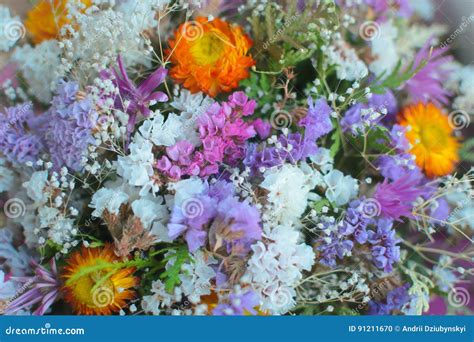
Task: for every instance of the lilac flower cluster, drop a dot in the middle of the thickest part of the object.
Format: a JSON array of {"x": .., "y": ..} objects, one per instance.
[
  {"x": 385, "y": 251},
  {"x": 395, "y": 301},
  {"x": 68, "y": 127},
  {"x": 218, "y": 217},
  {"x": 239, "y": 304},
  {"x": 293, "y": 147},
  {"x": 18, "y": 140}
]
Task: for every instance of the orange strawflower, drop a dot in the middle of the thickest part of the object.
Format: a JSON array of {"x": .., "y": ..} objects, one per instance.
[
  {"x": 430, "y": 135},
  {"x": 210, "y": 56},
  {"x": 45, "y": 20},
  {"x": 94, "y": 285}
]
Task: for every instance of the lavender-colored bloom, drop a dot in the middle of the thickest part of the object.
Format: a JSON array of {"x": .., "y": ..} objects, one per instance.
[
  {"x": 17, "y": 142},
  {"x": 397, "y": 198},
  {"x": 355, "y": 222},
  {"x": 336, "y": 244},
  {"x": 139, "y": 98},
  {"x": 360, "y": 115},
  {"x": 385, "y": 251},
  {"x": 428, "y": 84},
  {"x": 191, "y": 220},
  {"x": 395, "y": 301},
  {"x": 239, "y": 304},
  {"x": 42, "y": 288},
  {"x": 68, "y": 127},
  {"x": 238, "y": 224},
  {"x": 317, "y": 123}
]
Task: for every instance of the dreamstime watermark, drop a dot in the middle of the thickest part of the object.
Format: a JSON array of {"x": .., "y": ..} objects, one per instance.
[
  {"x": 280, "y": 32},
  {"x": 192, "y": 30},
  {"x": 14, "y": 208},
  {"x": 371, "y": 208},
  {"x": 460, "y": 29},
  {"x": 369, "y": 30},
  {"x": 280, "y": 119},
  {"x": 13, "y": 30},
  {"x": 459, "y": 119},
  {"x": 377, "y": 289},
  {"x": 46, "y": 330},
  {"x": 103, "y": 296},
  {"x": 5, "y": 304},
  {"x": 458, "y": 297},
  {"x": 192, "y": 208}
]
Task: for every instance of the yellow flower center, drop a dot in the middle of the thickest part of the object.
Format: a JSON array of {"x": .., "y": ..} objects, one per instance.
[
  {"x": 433, "y": 137},
  {"x": 101, "y": 296},
  {"x": 207, "y": 49}
]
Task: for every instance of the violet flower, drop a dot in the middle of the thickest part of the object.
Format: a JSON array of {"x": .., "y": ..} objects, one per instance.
[
  {"x": 141, "y": 97},
  {"x": 42, "y": 288},
  {"x": 385, "y": 251},
  {"x": 396, "y": 198},
  {"x": 428, "y": 83},
  {"x": 239, "y": 304}
]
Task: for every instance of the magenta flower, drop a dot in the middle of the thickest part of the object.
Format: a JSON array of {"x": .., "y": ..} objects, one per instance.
[
  {"x": 396, "y": 198},
  {"x": 427, "y": 84},
  {"x": 139, "y": 98},
  {"x": 42, "y": 288}
]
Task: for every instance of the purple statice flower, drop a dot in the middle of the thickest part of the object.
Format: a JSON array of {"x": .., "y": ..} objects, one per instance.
[
  {"x": 218, "y": 216},
  {"x": 42, "y": 288},
  {"x": 385, "y": 251},
  {"x": 397, "y": 198},
  {"x": 316, "y": 123},
  {"x": 355, "y": 221},
  {"x": 335, "y": 244},
  {"x": 237, "y": 224},
  {"x": 383, "y": 7},
  {"x": 395, "y": 301},
  {"x": 68, "y": 128},
  {"x": 134, "y": 100},
  {"x": 17, "y": 141},
  {"x": 191, "y": 219},
  {"x": 293, "y": 147},
  {"x": 428, "y": 83},
  {"x": 238, "y": 305},
  {"x": 361, "y": 115}
]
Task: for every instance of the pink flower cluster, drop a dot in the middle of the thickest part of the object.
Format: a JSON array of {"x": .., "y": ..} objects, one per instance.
[{"x": 223, "y": 134}]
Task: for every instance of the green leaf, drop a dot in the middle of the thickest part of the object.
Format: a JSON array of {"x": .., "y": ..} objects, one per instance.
[
  {"x": 318, "y": 206},
  {"x": 336, "y": 142},
  {"x": 176, "y": 259}
]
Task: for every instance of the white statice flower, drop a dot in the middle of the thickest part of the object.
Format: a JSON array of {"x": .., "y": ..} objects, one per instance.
[
  {"x": 159, "y": 299},
  {"x": 153, "y": 215},
  {"x": 460, "y": 197},
  {"x": 16, "y": 259},
  {"x": 161, "y": 132},
  {"x": 137, "y": 167},
  {"x": 35, "y": 187},
  {"x": 288, "y": 192},
  {"x": 191, "y": 106},
  {"x": 11, "y": 29},
  {"x": 323, "y": 159},
  {"x": 445, "y": 278},
  {"x": 197, "y": 275},
  {"x": 39, "y": 66},
  {"x": 185, "y": 189},
  {"x": 7, "y": 177},
  {"x": 340, "y": 189},
  {"x": 62, "y": 232},
  {"x": 348, "y": 65},
  {"x": 384, "y": 50},
  {"x": 108, "y": 198},
  {"x": 275, "y": 268},
  {"x": 412, "y": 38}
]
